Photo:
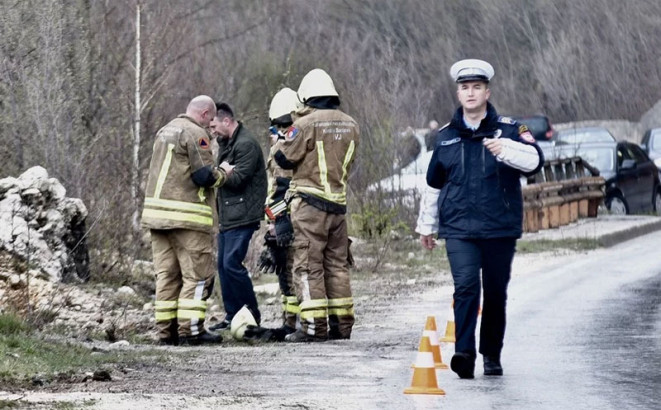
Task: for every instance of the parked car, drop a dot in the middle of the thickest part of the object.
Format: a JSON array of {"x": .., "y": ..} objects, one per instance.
[
  {"x": 583, "y": 135},
  {"x": 408, "y": 183},
  {"x": 539, "y": 125},
  {"x": 632, "y": 178},
  {"x": 651, "y": 144}
]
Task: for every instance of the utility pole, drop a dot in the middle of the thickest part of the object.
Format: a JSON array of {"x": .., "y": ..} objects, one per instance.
[{"x": 136, "y": 127}]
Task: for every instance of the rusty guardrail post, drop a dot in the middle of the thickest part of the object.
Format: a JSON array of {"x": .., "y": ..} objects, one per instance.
[{"x": 562, "y": 192}]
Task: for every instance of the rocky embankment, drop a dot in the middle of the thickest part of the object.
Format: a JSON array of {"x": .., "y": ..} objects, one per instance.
[{"x": 44, "y": 262}]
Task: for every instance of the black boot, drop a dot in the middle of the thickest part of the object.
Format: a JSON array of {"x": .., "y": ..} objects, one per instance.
[
  {"x": 173, "y": 339},
  {"x": 203, "y": 338},
  {"x": 463, "y": 364},
  {"x": 279, "y": 334},
  {"x": 334, "y": 334},
  {"x": 492, "y": 366},
  {"x": 301, "y": 337},
  {"x": 225, "y": 324}
]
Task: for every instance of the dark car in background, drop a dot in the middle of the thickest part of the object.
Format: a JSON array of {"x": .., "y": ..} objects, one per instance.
[
  {"x": 583, "y": 135},
  {"x": 539, "y": 125},
  {"x": 632, "y": 179},
  {"x": 651, "y": 144}
]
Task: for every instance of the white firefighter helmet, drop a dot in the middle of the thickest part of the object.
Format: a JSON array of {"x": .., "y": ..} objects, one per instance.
[
  {"x": 240, "y": 322},
  {"x": 283, "y": 103},
  {"x": 316, "y": 83}
]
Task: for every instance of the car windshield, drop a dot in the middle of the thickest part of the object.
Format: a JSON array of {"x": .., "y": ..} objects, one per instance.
[
  {"x": 655, "y": 139},
  {"x": 580, "y": 136},
  {"x": 601, "y": 158}
]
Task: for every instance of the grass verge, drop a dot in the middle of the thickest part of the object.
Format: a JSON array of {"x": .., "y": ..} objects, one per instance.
[
  {"x": 30, "y": 359},
  {"x": 542, "y": 245}
]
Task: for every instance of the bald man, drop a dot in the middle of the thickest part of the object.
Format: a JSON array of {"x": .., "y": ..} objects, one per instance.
[{"x": 180, "y": 212}]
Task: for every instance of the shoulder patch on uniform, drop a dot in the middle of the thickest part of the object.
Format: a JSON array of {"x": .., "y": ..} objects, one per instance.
[
  {"x": 203, "y": 142},
  {"x": 292, "y": 132},
  {"x": 506, "y": 120},
  {"x": 527, "y": 136}
]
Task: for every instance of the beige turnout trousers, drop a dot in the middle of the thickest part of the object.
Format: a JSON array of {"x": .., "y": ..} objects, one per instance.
[
  {"x": 321, "y": 273},
  {"x": 183, "y": 261}
]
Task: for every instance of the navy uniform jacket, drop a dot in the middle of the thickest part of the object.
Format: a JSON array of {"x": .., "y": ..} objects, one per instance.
[{"x": 480, "y": 197}]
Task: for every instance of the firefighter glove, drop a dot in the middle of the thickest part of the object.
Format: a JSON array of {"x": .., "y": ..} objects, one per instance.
[
  {"x": 284, "y": 231},
  {"x": 266, "y": 260},
  {"x": 277, "y": 255}
]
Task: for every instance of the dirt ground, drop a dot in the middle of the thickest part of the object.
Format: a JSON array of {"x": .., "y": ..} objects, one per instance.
[{"x": 369, "y": 371}]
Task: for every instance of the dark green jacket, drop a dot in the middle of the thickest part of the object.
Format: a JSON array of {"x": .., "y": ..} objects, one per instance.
[{"x": 241, "y": 198}]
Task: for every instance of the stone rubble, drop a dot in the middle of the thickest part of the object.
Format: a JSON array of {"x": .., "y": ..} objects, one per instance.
[{"x": 41, "y": 228}]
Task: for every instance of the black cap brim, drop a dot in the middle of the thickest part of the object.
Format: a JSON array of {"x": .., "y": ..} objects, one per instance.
[{"x": 473, "y": 77}]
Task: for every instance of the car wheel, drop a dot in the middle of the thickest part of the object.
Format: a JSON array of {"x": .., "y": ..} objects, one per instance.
[
  {"x": 617, "y": 205},
  {"x": 656, "y": 203}
]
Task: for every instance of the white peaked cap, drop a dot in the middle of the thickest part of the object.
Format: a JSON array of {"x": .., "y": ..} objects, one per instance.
[{"x": 471, "y": 70}]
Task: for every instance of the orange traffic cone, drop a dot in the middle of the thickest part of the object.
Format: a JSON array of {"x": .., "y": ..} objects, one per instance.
[
  {"x": 431, "y": 332},
  {"x": 449, "y": 327},
  {"x": 424, "y": 373}
]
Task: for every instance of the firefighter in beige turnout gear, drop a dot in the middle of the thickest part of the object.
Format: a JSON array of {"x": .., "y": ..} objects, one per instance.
[
  {"x": 320, "y": 148},
  {"x": 179, "y": 210},
  {"x": 276, "y": 255}
]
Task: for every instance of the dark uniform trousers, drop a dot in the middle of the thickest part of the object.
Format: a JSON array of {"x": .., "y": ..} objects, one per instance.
[
  {"x": 183, "y": 261},
  {"x": 494, "y": 258},
  {"x": 321, "y": 273}
]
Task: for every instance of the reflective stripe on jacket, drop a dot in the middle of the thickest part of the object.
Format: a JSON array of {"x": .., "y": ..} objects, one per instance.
[
  {"x": 320, "y": 147},
  {"x": 172, "y": 199}
]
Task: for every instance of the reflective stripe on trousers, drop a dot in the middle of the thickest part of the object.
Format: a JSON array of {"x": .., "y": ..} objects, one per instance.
[
  {"x": 320, "y": 270},
  {"x": 183, "y": 262}
]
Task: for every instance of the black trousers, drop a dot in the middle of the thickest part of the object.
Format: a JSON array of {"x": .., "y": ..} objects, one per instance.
[{"x": 467, "y": 258}]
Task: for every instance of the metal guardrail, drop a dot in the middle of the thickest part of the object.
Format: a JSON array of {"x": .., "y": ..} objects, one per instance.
[{"x": 563, "y": 191}]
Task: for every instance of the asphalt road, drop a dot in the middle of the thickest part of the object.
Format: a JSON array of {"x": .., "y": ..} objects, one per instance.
[
  {"x": 584, "y": 332},
  {"x": 583, "y": 335}
]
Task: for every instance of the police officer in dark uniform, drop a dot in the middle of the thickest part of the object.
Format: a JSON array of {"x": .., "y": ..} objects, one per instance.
[{"x": 474, "y": 202}]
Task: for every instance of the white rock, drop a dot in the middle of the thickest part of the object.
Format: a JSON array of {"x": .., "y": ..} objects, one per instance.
[
  {"x": 119, "y": 345},
  {"x": 147, "y": 307},
  {"x": 214, "y": 308},
  {"x": 271, "y": 301},
  {"x": 268, "y": 289},
  {"x": 394, "y": 235},
  {"x": 125, "y": 291},
  {"x": 410, "y": 255},
  {"x": 34, "y": 218},
  {"x": 142, "y": 268},
  {"x": 411, "y": 282},
  {"x": 58, "y": 191},
  {"x": 34, "y": 173},
  {"x": 15, "y": 281}
]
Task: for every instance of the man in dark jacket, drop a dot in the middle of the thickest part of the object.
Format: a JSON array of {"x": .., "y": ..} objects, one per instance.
[
  {"x": 240, "y": 209},
  {"x": 474, "y": 202}
]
